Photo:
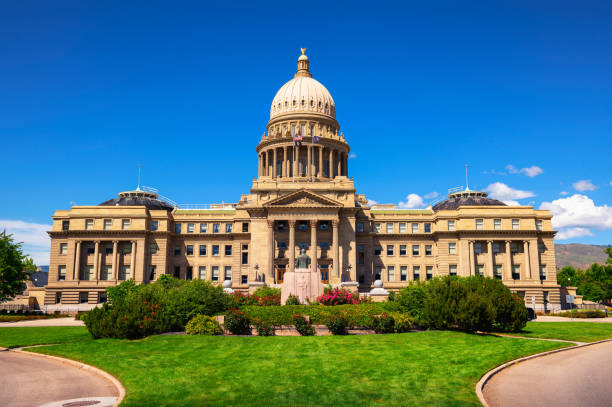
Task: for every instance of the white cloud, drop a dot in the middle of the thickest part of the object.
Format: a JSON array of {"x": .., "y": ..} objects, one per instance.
[
  {"x": 506, "y": 194},
  {"x": 512, "y": 203},
  {"x": 412, "y": 201},
  {"x": 584, "y": 185},
  {"x": 563, "y": 193},
  {"x": 572, "y": 233},
  {"x": 36, "y": 241},
  {"x": 352, "y": 155},
  {"x": 372, "y": 202},
  {"x": 512, "y": 169},
  {"x": 611, "y": 183},
  {"x": 431, "y": 195},
  {"x": 532, "y": 171}
]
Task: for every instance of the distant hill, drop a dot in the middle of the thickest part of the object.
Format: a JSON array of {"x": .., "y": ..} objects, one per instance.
[{"x": 579, "y": 255}]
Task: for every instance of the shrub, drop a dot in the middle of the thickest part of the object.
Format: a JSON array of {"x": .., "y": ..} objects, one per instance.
[
  {"x": 303, "y": 326},
  {"x": 403, "y": 322},
  {"x": 338, "y": 324},
  {"x": 203, "y": 325},
  {"x": 266, "y": 291},
  {"x": 237, "y": 322},
  {"x": 384, "y": 324},
  {"x": 264, "y": 328},
  {"x": 292, "y": 300},
  {"x": 410, "y": 300},
  {"x": 263, "y": 296},
  {"x": 338, "y": 296},
  {"x": 583, "y": 314}
]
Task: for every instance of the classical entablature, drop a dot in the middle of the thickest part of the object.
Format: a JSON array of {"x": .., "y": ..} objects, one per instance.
[{"x": 302, "y": 199}]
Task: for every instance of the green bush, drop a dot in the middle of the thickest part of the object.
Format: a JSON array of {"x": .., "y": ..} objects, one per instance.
[
  {"x": 265, "y": 291},
  {"x": 237, "y": 322},
  {"x": 292, "y": 300},
  {"x": 403, "y": 322},
  {"x": 203, "y": 325},
  {"x": 303, "y": 326},
  {"x": 384, "y": 324},
  {"x": 338, "y": 323},
  {"x": 583, "y": 314}
]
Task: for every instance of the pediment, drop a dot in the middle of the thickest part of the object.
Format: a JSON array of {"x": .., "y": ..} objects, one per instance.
[{"x": 303, "y": 199}]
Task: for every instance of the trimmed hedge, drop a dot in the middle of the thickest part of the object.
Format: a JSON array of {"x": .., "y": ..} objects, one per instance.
[{"x": 593, "y": 313}]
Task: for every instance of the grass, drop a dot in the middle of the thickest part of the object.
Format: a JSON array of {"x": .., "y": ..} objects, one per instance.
[
  {"x": 13, "y": 337},
  {"x": 423, "y": 368},
  {"x": 569, "y": 331}
]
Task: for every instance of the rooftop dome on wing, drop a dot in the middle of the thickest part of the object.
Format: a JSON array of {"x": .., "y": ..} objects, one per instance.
[
  {"x": 303, "y": 94},
  {"x": 466, "y": 197}
]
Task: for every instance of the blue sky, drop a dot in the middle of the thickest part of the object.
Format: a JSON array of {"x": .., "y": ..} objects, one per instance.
[{"x": 520, "y": 91}]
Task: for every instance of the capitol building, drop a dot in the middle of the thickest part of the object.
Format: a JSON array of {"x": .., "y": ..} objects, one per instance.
[{"x": 302, "y": 198}]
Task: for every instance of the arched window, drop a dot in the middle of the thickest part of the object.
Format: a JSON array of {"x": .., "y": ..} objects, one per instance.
[
  {"x": 311, "y": 103},
  {"x": 303, "y": 102},
  {"x": 294, "y": 102}
]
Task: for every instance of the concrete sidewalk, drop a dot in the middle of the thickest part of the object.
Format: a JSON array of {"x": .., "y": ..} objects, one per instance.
[
  {"x": 69, "y": 321},
  {"x": 547, "y": 318},
  {"x": 576, "y": 377}
]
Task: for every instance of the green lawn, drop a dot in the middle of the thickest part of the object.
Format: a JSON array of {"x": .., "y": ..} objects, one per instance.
[
  {"x": 421, "y": 368},
  {"x": 571, "y": 331},
  {"x": 13, "y": 337}
]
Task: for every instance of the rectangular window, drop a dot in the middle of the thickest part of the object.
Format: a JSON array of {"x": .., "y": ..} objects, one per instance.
[
  {"x": 228, "y": 249},
  {"x": 428, "y": 250},
  {"x": 203, "y": 227},
  {"x": 61, "y": 273},
  {"x": 108, "y": 224},
  {"x": 189, "y": 250},
  {"x": 428, "y": 272},
  {"x": 451, "y": 225},
  {"x": 389, "y": 227},
  {"x": 303, "y": 245},
  {"x": 324, "y": 225},
  {"x": 245, "y": 247},
  {"x": 229, "y": 227},
  {"x": 377, "y": 274},
  {"x": 216, "y": 227},
  {"x": 215, "y": 250},
  {"x": 215, "y": 273},
  {"x": 541, "y": 247},
  {"x": 58, "y": 297},
  {"x": 516, "y": 224},
  {"x": 177, "y": 271},
  {"x": 415, "y": 250},
  {"x": 452, "y": 269},
  {"x": 202, "y": 272},
  {"x": 190, "y": 227},
  {"x": 516, "y": 272},
  {"x": 107, "y": 271},
  {"x": 245, "y": 258},
  {"x": 154, "y": 225},
  {"x": 65, "y": 225},
  {"x": 415, "y": 228},
  {"x": 153, "y": 248},
  {"x": 245, "y": 227},
  {"x": 480, "y": 269},
  {"x": 360, "y": 227},
  {"x": 63, "y": 248},
  {"x": 513, "y": 247},
  {"x": 428, "y": 228},
  {"x": 477, "y": 247},
  {"x": 360, "y": 254},
  {"x": 189, "y": 273},
  {"x": 452, "y": 248},
  {"x": 402, "y": 228},
  {"x": 127, "y": 248},
  {"x": 497, "y": 271},
  {"x": 244, "y": 279},
  {"x": 416, "y": 272},
  {"x": 538, "y": 224},
  {"x": 402, "y": 250},
  {"x": 322, "y": 245},
  {"x": 403, "y": 273},
  {"x": 125, "y": 224},
  {"x": 389, "y": 250},
  {"x": 303, "y": 226},
  {"x": 83, "y": 297},
  {"x": 177, "y": 228},
  {"x": 391, "y": 273},
  {"x": 496, "y": 248},
  {"x": 228, "y": 272},
  {"x": 108, "y": 249},
  {"x": 542, "y": 272},
  {"x": 377, "y": 228},
  {"x": 281, "y": 226},
  {"x": 497, "y": 224},
  {"x": 125, "y": 273},
  {"x": 152, "y": 274},
  {"x": 479, "y": 224},
  {"x": 91, "y": 248},
  {"x": 377, "y": 250},
  {"x": 202, "y": 250},
  {"x": 177, "y": 250},
  {"x": 89, "y": 224}
]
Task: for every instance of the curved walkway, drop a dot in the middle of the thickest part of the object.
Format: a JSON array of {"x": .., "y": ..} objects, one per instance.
[
  {"x": 575, "y": 377},
  {"x": 43, "y": 322},
  {"x": 29, "y": 380}
]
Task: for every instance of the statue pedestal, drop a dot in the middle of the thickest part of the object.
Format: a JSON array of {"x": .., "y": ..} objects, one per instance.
[
  {"x": 302, "y": 283},
  {"x": 378, "y": 293}
]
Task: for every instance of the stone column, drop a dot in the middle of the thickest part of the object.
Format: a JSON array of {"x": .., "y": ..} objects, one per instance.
[
  {"x": 291, "y": 247},
  {"x": 320, "y": 166},
  {"x": 271, "y": 252},
  {"x": 115, "y": 255},
  {"x": 346, "y": 165},
  {"x": 331, "y": 163},
  {"x": 76, "y": 274},
  {"x": 472, "y": 259},
  {"x": 339, "y": 163},
  {"x": 527, "y": 265},
  {"x": 296, "y": 158},
  {"x": 336, "y": 248},
  {"x": 260, "y": 165},
  {"x": 284, "y": 166},
  {"x": 508, "y": 265},
  {"x": 313, "y": 244},
  {"x": 309, "y": 158},
  {"x": 96, "y": 260},
  {"x": 274, "y": 172},
  {"x": 133, "y": 260},
  {"x": 491, "y": 261},
  {"x": 534, "y": 258}
]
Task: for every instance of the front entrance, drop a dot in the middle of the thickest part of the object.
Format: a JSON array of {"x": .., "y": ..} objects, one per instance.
[
  {"x": 280, "y": 273},
  {"x": 324, "y": 269}
]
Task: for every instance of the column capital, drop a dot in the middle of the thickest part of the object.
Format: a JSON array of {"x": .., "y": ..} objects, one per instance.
[
  {"x": 115, "y": 241},
  {"x": 270, "y": 222},
  {"x": 97, "y": 242},
  {"x": 313, "y": 223},
  {"x": 335, "y": 222},
  {"x": 292, "y": 223}
]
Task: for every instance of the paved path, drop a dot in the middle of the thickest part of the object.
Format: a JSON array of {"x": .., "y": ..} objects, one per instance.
[
  {"x": 577, "y": 377},
  {"x": 70, "y": 321},
  {"x": 29, "y": 381},
  {"x": 546, "y": 318}
]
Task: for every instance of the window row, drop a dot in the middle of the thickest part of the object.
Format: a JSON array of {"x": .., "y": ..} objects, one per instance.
[
  {"x": 216, "y": 227},
  {"x": 302, "y": 225},
  {"x": 203, "y": 250},
  {"x": 402, "y": 227},
  {"x": 107, "y": 224},
  {"x": 90, "y": 248},
  {"x": 403, "y": 250},
  {"x": 202, "y": 273},
  {"x": 403, "y": 273}
]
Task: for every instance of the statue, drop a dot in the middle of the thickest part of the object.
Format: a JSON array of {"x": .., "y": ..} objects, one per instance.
[{"x": 302, "y": 261}]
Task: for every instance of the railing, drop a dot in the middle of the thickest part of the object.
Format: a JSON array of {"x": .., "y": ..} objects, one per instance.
[
  {"x": 220, "y": 206},
  {"x": 149, "y": 189},
  {"x": 456, "y": 189}
]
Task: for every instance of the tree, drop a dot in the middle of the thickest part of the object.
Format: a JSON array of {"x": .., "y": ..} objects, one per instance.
[
  {"x": 609, "y": 253},
  {"x": 569, "y": 276},
  {"x": 15, "y": 267}
]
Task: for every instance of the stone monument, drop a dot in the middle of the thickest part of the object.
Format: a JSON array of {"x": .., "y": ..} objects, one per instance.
[
  {"x": 378, "y": 293},
  {"x": 304, "y": 283}
]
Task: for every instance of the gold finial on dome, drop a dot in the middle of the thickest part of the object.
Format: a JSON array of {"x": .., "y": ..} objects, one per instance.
[{"x": 303, "y": 64}]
